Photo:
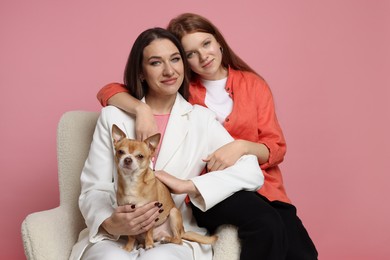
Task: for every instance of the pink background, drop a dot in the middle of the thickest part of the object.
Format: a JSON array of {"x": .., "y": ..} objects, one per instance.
[{"x": 327, "y": 63}]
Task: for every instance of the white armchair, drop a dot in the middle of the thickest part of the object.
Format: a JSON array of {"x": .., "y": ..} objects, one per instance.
[{"x": 51, "y": 234}]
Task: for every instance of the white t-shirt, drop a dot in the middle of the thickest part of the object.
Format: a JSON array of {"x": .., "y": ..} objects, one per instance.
[{"x": 217, "y": 98}]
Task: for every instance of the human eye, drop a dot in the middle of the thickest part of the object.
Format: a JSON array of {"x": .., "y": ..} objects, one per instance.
[
  {"x": 206, "y": 43},
  {"x": 176, "y": 59},
  {"x": 190, "y": 54},
  {"x": 154, "y": 62}
]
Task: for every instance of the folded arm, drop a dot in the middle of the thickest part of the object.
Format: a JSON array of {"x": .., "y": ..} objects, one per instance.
[{"x": 116, "y": 94}]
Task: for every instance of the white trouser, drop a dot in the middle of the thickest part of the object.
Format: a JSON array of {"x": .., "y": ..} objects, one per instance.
[{"x": 108, "y": 250}]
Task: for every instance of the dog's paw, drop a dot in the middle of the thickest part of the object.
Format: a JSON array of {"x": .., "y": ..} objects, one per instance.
[
  {"x": 147, "y": 247},
  {"x": 177, "y": 240},
  {"x": 127, "y": 248},
  {"x": 166, "y": 240}
]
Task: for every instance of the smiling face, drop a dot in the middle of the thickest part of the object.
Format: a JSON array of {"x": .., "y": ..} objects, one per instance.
[
  {"x": 162, "y": 69},
  {"x": 204, "y": 55}
]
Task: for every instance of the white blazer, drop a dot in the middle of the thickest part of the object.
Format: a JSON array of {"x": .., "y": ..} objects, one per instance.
[{"x": 192, "y": 133}]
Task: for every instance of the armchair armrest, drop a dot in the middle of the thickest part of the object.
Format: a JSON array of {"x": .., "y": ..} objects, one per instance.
[{"x": 51, "y": 234}]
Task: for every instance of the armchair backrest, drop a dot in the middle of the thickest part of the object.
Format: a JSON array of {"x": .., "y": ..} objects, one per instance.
[{"x": 74, "y": 137}]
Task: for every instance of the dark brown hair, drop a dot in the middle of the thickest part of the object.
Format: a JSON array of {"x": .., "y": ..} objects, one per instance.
[{"x": 133, "y": 68}]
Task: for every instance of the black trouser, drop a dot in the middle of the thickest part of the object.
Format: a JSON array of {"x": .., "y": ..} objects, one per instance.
[{"x": 267, "y": 230}]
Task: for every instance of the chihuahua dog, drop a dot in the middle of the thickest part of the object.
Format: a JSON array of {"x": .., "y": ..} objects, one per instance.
[{"x": 138, "y": 186}]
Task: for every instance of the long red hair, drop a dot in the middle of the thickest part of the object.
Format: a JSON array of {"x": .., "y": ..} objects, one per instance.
[{"x": 190, "y": 23}]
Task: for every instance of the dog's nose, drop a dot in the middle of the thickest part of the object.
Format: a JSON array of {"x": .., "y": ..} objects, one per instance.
[{"x": 128, "y": 160}]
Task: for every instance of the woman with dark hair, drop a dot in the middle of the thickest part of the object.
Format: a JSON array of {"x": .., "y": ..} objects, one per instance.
[
  {"x": 133, "y": 67},
  {"x": 156, "y": 74},
  {"x": 268, "y": 225}
]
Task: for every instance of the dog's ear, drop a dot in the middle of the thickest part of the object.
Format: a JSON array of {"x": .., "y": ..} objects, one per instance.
[
  {"x": 117, "y": 134},
  {"x": 152, "y": 141}
]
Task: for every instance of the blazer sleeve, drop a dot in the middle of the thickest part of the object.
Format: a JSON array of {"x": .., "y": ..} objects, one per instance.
[
  {"x": 97, "y": 198},
  {"x": 109, "y": 90},
  {"x": 216, "y": 186}
]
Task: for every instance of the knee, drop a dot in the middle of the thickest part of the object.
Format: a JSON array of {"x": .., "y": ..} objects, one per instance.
[
  {"x": 114, "y": 254},
  {"x": 105, "y": 252},
  {"x": 167, "y": 252}
]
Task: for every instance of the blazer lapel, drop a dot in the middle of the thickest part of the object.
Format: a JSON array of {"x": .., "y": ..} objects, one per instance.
[{"x": 175, "y": 132}]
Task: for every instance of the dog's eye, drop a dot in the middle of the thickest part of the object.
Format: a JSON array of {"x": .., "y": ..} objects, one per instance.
[
  {"x": 121, "y": 152},
  {"x": 140, "y": 156}
]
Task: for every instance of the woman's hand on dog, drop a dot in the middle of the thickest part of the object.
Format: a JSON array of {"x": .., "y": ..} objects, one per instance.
[
  {"x": 176, "y": 185},
  {"x": 131, "y": 220}
]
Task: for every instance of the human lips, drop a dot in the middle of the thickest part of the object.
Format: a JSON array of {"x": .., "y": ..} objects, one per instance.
[
  {"x": 169, "y": 81},
  {"x": 208, "y": 64}
]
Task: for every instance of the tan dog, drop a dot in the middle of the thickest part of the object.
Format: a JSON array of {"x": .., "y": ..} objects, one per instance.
[{"x": 138, "y": 186}]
